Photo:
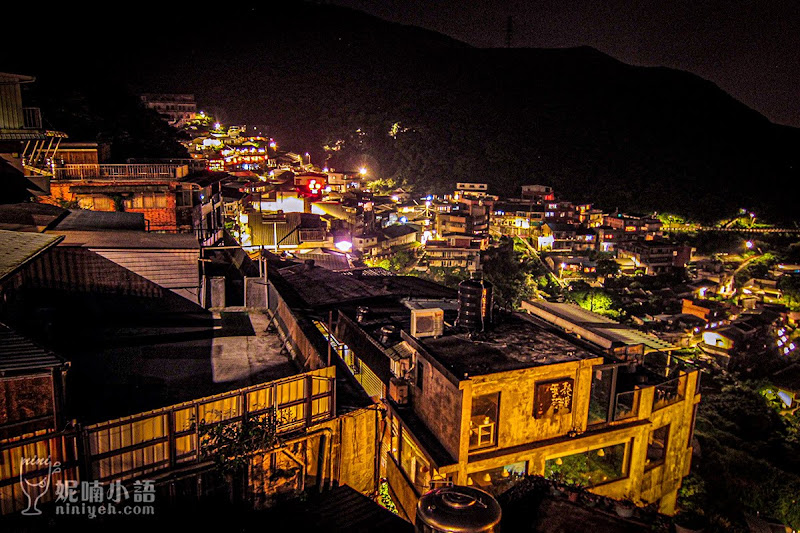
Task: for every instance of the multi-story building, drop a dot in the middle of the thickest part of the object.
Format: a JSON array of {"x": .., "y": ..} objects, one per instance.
[
  {"x": 560, "y": 237},
  {"x": 170, "y": 200},
  {"x": 177, "y": 109},
  {"x": 25, "y": 145},
  {"x": 633, "y": 227},
  {"x": 454, "y": 251},
  {"x": 522, "y": 397},
  {"x": 517, "y": 218},
  {"x": 470, "y": 190},
  {"x": 538, "y": 193},
  {"x": 655, "y": 256}
]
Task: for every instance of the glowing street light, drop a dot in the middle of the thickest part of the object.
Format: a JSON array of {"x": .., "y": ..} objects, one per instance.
[
  {"x": 749, "y": 245},
  {"x": 362, "y": 171},
  {"x": 344, "y": 246}
]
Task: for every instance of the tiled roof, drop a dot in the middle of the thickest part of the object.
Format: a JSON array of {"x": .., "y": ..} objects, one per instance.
[
  {"x": 20, "y": 355},
  {"x": 19, "y": 248}
]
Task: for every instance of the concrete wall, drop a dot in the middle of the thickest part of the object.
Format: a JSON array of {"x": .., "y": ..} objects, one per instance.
[
  {"x": 516, "y": 423},
  {"x": 439, "y": 404}
]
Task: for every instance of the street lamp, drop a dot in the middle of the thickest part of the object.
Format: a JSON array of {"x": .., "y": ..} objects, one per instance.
[
  {"x": 561, "y": 274},
  {"x": 749, "y": 245},
  {"x": 362, "y": 171}
]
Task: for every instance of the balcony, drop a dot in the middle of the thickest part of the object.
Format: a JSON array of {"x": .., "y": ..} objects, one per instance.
[{"x": 121, "y": 172}]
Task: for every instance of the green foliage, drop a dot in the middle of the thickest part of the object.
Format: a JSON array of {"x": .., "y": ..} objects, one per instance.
[
  {"x": 750, "y": 460},
  {"x": 384, "y": 498},
  {"x": 231, "y": 444},
  {"x": 607, "y": 267},
  {"x": 593, "y": 299},
  {"x": 757, "y": 268},
  {"x": 506, "y": 269},
  {"x": 790, "y": 286}
]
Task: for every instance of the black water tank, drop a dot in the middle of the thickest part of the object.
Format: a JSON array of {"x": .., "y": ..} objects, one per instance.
[
  {"x": 475, "y": 303},
  {"x": 456, "y": 508}
]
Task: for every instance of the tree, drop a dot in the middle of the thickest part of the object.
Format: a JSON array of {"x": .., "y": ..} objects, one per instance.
[
  {"x": 607, "y": 267},
  {"x": 503, "y": 267}
]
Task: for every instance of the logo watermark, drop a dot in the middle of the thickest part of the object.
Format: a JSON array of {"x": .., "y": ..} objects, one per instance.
[
  {"x": 35, "y": 475},
  {"x": 84, "y": 498}
]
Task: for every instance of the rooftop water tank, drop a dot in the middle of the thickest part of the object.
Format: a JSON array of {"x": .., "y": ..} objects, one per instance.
[
  {"x": 458, "y": 509},
  {"x": 475, "y": 303}
]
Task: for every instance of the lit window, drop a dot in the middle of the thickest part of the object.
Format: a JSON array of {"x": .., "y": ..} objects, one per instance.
[
  {"x": 591, "y": 468},
  {"x": 483, "y": 422}
]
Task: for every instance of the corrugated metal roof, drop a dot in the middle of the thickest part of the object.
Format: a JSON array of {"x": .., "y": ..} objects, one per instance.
[
  {"x": 171, "y": 269},
  {"x": 19, "y": 355},
  {"x": 602, "y": 326},
  {"x": 19, "y": 248},
  {"x": 83, "y": 219}
]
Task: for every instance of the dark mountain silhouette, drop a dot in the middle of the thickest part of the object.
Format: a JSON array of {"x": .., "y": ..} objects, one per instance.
[{"x": 640, "y": 139}]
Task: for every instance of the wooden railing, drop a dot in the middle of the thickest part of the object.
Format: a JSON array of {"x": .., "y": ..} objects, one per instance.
[
  {"x": 157, "y": 441},
  {"x": 121, "y": 172}
]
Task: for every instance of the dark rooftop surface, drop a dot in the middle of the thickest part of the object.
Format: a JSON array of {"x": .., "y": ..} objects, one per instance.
[
  {"x": 512, "y": 343},
  {"x": 82, "y": 219},
  {"x": 319, "y": 286},
  {"x": 30, "y": 216},
  {"x": 130, "y": 354},
  {"x": 19, "y": 355},
  {"x": 396, "y": 231},
  {"x": 127, "y": 239}
]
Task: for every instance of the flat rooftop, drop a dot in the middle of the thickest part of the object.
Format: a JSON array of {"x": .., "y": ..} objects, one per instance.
[
  {"x": 130, "y": 354},
  {"x": 513, "y": 343},
  {"x": 567, "y": 315}
]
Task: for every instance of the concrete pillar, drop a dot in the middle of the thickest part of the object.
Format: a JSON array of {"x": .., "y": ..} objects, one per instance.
[
  {"x": 255, "y": 293},
  {"x": 217, "y": 292}
]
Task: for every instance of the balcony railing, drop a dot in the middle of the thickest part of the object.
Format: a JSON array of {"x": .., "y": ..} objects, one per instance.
[
  {"x": 667, "y": 393},
  {"x": 121, "y": 172}
]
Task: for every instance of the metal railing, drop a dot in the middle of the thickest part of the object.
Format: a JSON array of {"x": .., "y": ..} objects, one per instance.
[{"x": 121, "y": 172}]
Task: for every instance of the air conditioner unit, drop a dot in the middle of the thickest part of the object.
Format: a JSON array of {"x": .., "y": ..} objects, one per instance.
[{"x": 427, "y": 322}]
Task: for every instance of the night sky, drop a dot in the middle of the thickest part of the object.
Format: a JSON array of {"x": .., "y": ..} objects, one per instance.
[{"x": 750, "y": 48}]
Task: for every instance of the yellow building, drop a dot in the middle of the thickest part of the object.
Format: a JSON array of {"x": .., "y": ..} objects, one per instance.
[{"x": 522, "y": 398}]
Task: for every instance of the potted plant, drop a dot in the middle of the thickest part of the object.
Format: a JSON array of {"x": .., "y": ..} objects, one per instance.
[
  {"x": 624, "y": 508},
  {"x": 690, "y": 521},
  {"x": 574, "y": 490}
]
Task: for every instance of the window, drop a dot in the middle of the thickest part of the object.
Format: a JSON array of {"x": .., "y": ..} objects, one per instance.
[
  {"x": 420, "y": 374},
  {"x": 96, "y": 203},
  {"x": 414, "y": 463},
  {"x": 183, "y": 198},
  {"x": 146, "y": 201},
  {"x": 591, "y": 468},
  {"x": 498, "y": 480},
  {"x": 657, "y": 447},
  {"x": 483, "y": 422}
]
